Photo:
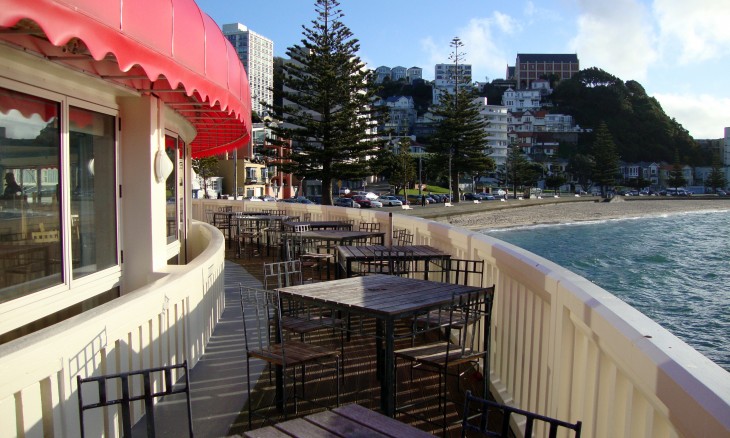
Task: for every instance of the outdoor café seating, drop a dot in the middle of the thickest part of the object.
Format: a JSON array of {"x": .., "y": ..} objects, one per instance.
[{"x": 261, "y": 310}]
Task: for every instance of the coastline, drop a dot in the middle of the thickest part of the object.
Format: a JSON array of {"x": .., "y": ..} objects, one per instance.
[{"x": 562, "y": 213}]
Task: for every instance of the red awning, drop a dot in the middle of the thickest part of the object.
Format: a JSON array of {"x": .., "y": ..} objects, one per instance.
[{"x": 168, "y": 48}]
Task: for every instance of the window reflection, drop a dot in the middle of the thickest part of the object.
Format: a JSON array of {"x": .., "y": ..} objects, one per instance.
[
  {"x": 171, "y": 148},
  {"x": 30, "y": 211},
  {"x": 93, "y": 201}
]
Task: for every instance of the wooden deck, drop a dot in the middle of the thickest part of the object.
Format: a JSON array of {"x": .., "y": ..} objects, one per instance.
[{"x": 218, "y": 381}]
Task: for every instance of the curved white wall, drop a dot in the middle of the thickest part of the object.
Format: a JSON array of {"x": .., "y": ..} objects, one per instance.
[{"x": 165, "y": 321}]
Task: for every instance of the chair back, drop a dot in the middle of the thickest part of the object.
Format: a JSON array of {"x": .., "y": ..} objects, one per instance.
[
  {"x": 300, "y": 228},
  {"x": 282, "y": 274},
  {"x": 479, "y": 421},
  {"x": 370, "y": 226},
  {"x": 466, "y": 272},
  {"x": 154, "y": 382},
  {"x": 258, "y": 309}
]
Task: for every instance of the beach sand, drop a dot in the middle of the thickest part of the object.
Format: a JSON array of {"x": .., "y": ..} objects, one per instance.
[{"x": 551, "y": 213}]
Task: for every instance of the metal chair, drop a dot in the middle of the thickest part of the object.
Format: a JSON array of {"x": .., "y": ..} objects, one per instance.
[
  {"x": 461, "y": 271},
  {"x": 389, "y": 262},
  {"x": 154, "y": 383},
  {"x": 280, "y": 274},
  {"x": 483, "y": 427},
  {"x": 369, "y": 226},
  {"x": 261, "y": 310},
  {"x": 457, "y": 347}
]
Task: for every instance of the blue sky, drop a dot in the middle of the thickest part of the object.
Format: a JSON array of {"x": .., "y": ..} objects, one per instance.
[{"x": 678, "y": 50}]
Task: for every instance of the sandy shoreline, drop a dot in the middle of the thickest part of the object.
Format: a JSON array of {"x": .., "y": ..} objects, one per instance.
[{"x": 582, "y": 211}]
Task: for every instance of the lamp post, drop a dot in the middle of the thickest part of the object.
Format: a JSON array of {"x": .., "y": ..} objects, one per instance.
[{"x": 275, "y": 187}]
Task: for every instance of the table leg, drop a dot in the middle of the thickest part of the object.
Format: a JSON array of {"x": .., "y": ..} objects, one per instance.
[{"x": 387, "y": 383}]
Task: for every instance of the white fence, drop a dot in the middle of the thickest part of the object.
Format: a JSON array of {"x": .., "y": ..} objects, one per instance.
[
  {"x": 564, "y": 347},
  {"x": 165, "y": 322}
]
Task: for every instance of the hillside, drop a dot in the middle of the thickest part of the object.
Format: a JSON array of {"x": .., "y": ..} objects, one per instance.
[{"x": 638, "y": 124}]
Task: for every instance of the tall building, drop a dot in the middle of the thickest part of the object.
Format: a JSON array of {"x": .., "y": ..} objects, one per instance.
[
  {"x": 497, "y": 139},
  {"x": 445, "y": 79},
  {"x": 530, "y": 67},
  {"x": 256, "y": 52}
]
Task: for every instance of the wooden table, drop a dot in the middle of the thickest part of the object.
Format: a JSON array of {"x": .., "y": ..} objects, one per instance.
[
  {"x": 347, "y": 255},
  {"x": 345, "y": 421},
  {"x": 258, "y": 219},
  {"x": 321, "y": 225},
  {"x": 387, "y": 298}
]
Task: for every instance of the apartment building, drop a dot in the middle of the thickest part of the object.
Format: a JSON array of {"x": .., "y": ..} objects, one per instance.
[
  {"x": 530, "y": 67},
  {"x": 497, "y": 140},
  {"x": 256, "y": 52}
]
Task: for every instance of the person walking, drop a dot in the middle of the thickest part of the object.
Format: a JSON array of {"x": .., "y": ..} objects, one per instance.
[{"x": 423, "y": 200}]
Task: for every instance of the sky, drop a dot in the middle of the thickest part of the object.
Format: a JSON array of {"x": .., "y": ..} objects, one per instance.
[{"x": 678, "y": 50}]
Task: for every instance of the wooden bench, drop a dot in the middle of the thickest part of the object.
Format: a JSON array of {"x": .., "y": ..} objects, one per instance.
[{"x": 406, "y": 207}]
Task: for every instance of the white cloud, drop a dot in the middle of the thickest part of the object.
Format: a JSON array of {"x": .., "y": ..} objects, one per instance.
[
  {"x": 480, "y": 45},
  {"x": 615, "y": 36},
  {"x": 700, "y": 28},
  {"x": 704, "y": 116}
]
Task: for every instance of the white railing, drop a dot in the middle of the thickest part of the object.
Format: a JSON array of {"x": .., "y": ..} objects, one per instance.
[
  {"x": 165, "y": 322},
  {"x": 564, "y": 347}
]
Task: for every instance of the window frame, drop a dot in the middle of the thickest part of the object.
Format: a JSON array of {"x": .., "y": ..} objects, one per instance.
[{"x": 106, "y": 278}]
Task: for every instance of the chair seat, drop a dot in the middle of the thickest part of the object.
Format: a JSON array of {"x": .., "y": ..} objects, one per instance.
[
  {"x": 304, "y": 326},
  {"x": 442, "y": 319},
  {"x": 297, "y": 353},
  {"x": 436, "y": 354}
]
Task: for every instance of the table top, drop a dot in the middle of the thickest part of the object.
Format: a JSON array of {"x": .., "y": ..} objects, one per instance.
[
  {"x": 345, "y": 421},
  {"x": 365, "y": 252},
  {"x": 380, "y": 296},
  {"x": 320, "y": 224},
  {"x": 340, "y": 234}
]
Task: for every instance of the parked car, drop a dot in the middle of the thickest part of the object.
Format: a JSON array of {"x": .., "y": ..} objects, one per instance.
[
  {"x": 346, "y": 202},
  {"x": 390, "y": 201},
  {"x": 375, "y": 203},
  {"x": 267, "y": 198},
  {"x": 362, "y": 200},
  {"x": 721, "y": 192},
  {"x": 402, "y": 199},
  {"x": 298, "y": 200}
]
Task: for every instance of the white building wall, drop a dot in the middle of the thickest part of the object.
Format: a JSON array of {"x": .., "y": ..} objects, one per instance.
[
  {"x": 497, "y": 140},
  {"x": 257, "y": 55}
]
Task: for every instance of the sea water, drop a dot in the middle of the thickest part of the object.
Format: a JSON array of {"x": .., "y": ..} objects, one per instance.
[{"x": 675, "y": 268}]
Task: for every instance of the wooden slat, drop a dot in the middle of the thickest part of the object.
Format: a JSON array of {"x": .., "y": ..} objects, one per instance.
[
  {"x": 302, "y": 428},
  {"x": 266, "y": 432},
  {"x": 343, "y": 426},
  {"x": 382, "y": 423}
]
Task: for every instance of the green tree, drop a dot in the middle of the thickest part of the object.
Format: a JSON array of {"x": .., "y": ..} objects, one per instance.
[
  {"x": 404, "y": 168},
  {"x": 676, "y": 175},
  {"x": 460, "y": 138},
  {"x": 580, "y": 167},
  {"x": 716, "y": 179},
  {"x": 555, "y": 179},
  {"x": 606, "y": 160},
  {"x": 205, "y": 168},
  {"x": 326, "y": 94},
  {"x": 517, "y": 168}
]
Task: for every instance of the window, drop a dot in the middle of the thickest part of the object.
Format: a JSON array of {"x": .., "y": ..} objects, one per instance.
[
  {"x": 92, "y": 156},
  {"x": 44, "y": 241},
  {"x": 172, "y": 149}
]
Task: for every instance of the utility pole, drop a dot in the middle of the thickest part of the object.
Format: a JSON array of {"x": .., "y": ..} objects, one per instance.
[{"x": 456, "y": 57}]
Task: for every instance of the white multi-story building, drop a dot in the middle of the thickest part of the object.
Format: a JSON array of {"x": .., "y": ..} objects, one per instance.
[
  {"x": 414, "y": 73},
  {"x": 381, "y": 73},
  {"x": 256, "y": 52},
  {"x": 521, "y": 100},
  {"x": 397, "y": 73},
  {"x": 497, "y": 140},
  {"x": 446, "y": 76}
]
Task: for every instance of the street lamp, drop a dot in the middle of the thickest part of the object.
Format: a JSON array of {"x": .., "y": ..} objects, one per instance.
[{"x": 275, "y": 187}]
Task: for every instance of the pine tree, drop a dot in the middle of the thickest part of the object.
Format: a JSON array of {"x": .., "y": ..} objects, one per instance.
[
  {"x": 716, "y": 179},
  {"x": 326, "y": 104},
  {"x": 460, "y": 132},
  {"x": 676, "y": 175},
  {"x": 517, "y": 168},
  {"x": 404, "y": 169},
  {"x": 606, "y": 160}
]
